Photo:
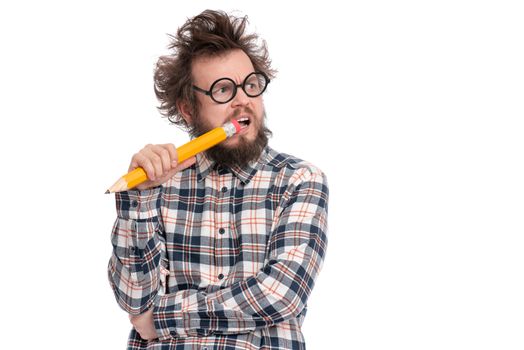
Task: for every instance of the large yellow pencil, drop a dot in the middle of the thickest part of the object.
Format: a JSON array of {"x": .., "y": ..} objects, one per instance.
[{"x": 193, "y": 147}]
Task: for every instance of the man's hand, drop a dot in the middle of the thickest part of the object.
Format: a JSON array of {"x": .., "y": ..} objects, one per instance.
[
  {"x": 160, "y": 163},
  {"x": 144, "y": 325}
]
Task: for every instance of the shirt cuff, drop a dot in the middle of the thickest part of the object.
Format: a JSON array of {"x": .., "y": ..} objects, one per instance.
[
  {"x": 137, "y": 205},
  {"x": 177, "y": 315},
  {"x": 166, "y": 310}
]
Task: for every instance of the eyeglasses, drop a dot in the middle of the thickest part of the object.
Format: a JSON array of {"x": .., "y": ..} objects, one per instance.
[{"x": 224, "y": 90}]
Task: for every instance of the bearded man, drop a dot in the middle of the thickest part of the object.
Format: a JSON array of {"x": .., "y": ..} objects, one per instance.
[{"x": 220, "y": 251}]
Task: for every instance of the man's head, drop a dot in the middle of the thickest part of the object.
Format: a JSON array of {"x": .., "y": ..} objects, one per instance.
[{"x": 192, "y": 90}]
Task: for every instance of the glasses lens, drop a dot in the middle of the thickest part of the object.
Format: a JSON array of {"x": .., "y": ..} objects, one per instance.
[
  {"x": 255, "y": 84},
  {"x": 223, "y": 90}
]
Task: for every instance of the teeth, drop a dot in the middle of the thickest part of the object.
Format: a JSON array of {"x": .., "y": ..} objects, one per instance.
[{"x": 242, "y": 119}]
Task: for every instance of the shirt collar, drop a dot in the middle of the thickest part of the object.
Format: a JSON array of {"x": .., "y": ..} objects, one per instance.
[{"x": 204, "y": 166}]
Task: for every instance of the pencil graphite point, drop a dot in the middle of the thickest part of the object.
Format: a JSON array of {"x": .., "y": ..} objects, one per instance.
[{"x": 107, "y": 192}]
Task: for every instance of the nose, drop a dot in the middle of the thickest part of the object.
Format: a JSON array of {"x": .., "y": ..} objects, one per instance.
[{"x": 240, "y": 99}]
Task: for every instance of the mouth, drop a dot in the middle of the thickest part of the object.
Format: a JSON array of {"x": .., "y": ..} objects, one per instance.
[{"x": 244, "y": 122}]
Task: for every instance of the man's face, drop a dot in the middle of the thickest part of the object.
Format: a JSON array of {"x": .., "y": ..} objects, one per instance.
[
  {"x": 248, "y": 143},
  {"x": 235, "y": 65}
]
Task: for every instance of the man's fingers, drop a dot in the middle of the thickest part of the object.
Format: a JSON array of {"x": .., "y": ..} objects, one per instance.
[
  {"x": 156, "y": 161},
  {"x": 173, "y": 155},
  {"x": 160, "y": 162},
  {"x": 164, "y": 156},
  {"x": 144, "y": 325},
  {"x": 145, "y": 162}
]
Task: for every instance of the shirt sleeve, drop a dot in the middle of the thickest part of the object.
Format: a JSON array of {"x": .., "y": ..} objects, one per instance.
[
  {"x": 278, "y": 292},
  {"x": 138, "y": 245}
]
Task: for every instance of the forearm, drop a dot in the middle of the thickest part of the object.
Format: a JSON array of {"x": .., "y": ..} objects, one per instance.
[
  {"x": 138, "y": 244},
  {"x": 277, "y": 293},
  {"x": 132, "y": 295}
]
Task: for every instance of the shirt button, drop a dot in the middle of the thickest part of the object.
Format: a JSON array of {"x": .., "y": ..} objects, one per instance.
[
  {"x": 134, "y": 204},
  {"x": 224, "y": 189},
  {"x": 221, "y": 231},
  {"x": 220, "y": 276}
]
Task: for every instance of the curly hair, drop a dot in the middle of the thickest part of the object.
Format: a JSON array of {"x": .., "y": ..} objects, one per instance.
[{"x": 208, "y": 34}]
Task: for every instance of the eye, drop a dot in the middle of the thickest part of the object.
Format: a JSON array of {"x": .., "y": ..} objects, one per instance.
[
  {"x": 252, "y": 85},
  {"x": 222, "y": 89}
]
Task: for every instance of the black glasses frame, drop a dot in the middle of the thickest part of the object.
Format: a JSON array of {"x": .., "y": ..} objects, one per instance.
[{"x": 235, "y": 87}]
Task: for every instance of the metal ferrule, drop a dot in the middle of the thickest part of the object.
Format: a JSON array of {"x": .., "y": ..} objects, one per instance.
[{"x": 229, "y": 128}]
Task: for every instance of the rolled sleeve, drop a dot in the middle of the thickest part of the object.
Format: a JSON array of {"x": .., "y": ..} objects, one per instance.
[{"x": 138, "y": 243}]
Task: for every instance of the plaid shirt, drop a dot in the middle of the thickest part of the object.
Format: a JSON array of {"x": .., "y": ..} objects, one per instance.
[{"x": 226, "y": 258}]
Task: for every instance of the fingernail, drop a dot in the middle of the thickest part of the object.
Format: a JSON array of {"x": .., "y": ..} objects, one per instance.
[{"x": 174, "y": 163}]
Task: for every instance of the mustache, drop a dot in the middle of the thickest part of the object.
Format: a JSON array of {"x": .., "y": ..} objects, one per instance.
[{"x": 237, "y": 112}]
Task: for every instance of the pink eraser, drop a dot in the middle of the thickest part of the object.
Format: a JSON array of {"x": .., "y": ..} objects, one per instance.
[{"x": 236, "y": 124}]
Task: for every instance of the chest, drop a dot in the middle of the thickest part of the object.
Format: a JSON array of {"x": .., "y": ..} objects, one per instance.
[{"x": 217, "y": 230}]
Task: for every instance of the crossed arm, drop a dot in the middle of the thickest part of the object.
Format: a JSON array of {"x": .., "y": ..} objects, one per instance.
[{"x": 278, "y": 292}]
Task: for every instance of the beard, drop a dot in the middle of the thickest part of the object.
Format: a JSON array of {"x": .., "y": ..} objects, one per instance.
[{"x": 245, "y": 151}]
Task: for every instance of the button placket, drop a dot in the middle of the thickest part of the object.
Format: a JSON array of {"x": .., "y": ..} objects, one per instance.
[{"x": 223, "y": 221}]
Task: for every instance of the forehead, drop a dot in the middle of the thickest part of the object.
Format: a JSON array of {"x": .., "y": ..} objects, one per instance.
[{"x": 234, "y": 64}]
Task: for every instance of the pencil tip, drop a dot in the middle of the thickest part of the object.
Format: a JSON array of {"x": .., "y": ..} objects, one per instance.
[{"x": 107, "y": 192}]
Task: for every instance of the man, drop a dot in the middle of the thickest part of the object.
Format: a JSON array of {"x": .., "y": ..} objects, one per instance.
[{"x": 222, "y": 250}]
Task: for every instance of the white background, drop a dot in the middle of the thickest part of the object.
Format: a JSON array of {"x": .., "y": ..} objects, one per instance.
[{"x": 413, "y": 109}]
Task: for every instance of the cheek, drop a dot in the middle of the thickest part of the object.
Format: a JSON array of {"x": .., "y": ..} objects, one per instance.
[
  {"x": 258, "y": 106},
  {"x": 214, "y": 115}
]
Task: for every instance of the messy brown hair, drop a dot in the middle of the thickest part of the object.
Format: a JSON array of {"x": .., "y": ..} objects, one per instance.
[{"x": 208, "y": 34}]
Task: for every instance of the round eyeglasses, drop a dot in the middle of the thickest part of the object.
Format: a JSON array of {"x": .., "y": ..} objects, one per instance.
[{"x": 224, "y": 90}]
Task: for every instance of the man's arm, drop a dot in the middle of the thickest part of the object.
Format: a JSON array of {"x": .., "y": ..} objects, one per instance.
[
  {"x": 276, "y": 293},
  {"x": 138, "y": 243},
  {"x": 137, "y": 238}
]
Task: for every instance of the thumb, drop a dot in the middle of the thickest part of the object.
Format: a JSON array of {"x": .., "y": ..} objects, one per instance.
[{"x": 185, "y": 164}]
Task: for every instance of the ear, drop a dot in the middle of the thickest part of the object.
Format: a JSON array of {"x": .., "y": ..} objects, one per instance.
[{"x": 186, "y": 111}]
